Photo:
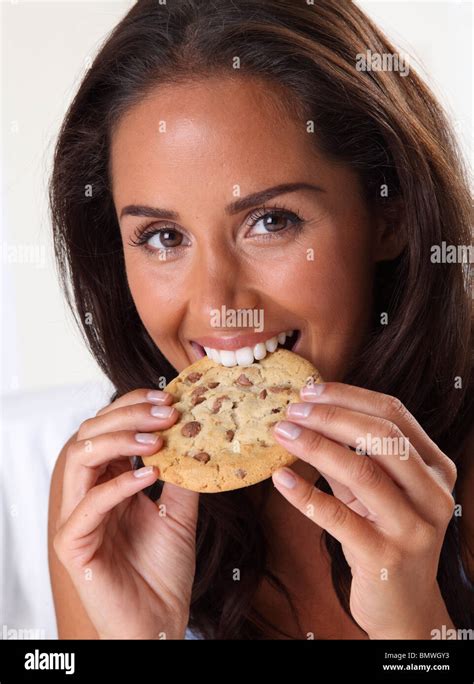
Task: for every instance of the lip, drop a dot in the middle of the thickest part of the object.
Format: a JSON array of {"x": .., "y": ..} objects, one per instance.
[{"x": 233, "y": 342}]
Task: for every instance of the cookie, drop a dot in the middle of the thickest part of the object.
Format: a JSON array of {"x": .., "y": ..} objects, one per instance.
[{"x": 223, "y": 439}]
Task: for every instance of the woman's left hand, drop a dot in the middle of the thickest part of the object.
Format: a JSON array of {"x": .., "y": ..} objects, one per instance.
[{"x": 391, "y": 506}]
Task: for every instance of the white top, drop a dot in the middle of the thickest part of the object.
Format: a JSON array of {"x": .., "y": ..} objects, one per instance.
[{"x": 192, "y": 635}]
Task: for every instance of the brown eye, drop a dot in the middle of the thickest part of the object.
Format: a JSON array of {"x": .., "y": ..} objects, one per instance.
[
  {"x": 167, "y": 238},
  {"x": 159, "y": 239},
  {"x": 276, "y": 221}
]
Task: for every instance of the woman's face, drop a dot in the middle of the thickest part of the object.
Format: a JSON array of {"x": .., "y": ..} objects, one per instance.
[{"x": 295, "y": 260}]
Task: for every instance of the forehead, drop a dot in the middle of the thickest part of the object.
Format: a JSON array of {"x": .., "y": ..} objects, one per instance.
[{"x": 214, "y": 131}]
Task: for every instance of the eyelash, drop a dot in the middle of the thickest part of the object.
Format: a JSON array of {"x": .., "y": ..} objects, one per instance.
[{"x": 145, "y": 231}]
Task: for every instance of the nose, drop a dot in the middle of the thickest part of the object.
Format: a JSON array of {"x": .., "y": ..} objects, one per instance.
[{"x": 219, "y": 279}]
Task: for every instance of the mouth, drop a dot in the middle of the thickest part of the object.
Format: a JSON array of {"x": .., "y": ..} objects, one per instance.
[{"x": 246, "y": 355}]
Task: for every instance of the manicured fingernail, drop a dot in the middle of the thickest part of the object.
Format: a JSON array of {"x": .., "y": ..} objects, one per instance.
[
  {"x": 311, "y": 391},
  {"x": 157, "y": 395},
  {"x": 146, "y": 437},
  {"x": 143, "y": 472},
  {"x": 285, "y": 477},
  {"x": 299, "y": 410},
  {"x": 287, "y": 429},
  {"x": 161, "y": 411}
]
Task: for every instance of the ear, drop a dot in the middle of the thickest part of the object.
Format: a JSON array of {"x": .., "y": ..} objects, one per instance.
[{"x": 390, "y": 236}]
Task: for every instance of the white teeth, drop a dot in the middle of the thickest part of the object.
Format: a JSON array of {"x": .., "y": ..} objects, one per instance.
[
  {"x": 260, "y": 351},
  {"x": 245, "y": 356},
  {"x": 228, "y": 358},
  {"x": 271, "y": 344}
]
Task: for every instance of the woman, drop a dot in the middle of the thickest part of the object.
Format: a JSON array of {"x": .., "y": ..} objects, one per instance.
[{"x": 235, "y": 154}]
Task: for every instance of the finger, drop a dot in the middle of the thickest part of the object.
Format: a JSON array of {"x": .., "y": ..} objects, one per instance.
[
  {"x": 378, "y": 493},
  {"x": 142, "y": 417},
  {"x": 358, "y": 536},
  {"x": 380, "y": 439},
  {"x": 85, "y": 458},
  {"x": 345, "y": 495},
  {"x": 391, "y": 409},
  {"x": 138, "y": 396},
  {"x": 80, "y": 536}
]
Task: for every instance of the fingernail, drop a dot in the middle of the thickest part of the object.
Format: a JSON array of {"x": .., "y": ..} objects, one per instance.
[
  {"x": 157, "y": 395},
  {"x": 288, "y": 430},
  {"x": 161, "y": 411},
  {"x": 146, "y": 437},
  {"x": 285, "y": 477},
  {"x": 143, "y": 472},
  {"x": 299, "y": 410},
  {"x": 310, "y": 391}
]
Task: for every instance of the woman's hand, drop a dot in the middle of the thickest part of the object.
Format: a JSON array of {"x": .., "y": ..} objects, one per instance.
[
  {"x": 390, "y": 508},
  {"x": 131, "y": 560}
]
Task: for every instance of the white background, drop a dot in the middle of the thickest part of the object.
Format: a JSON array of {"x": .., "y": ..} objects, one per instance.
[{"x": 45, "y": 50}]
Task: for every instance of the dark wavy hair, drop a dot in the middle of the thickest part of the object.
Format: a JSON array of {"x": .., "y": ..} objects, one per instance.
[{"x": 392, "y": 132}]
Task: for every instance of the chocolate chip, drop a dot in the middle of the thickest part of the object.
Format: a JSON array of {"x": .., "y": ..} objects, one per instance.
[
  {"x": 196, "y": 395},
  {"x": 199, "y": 390},
  {"x": 191, "y": 429},
  {"x": 240, "y": 473},
  {"x": 243, "y": 381},
  {"x": 276, "y": 410},
  {"x": 263, "y": 394},
  {"x": 202, "y": 456},
  {"x": 229, "y": 435},
  {"x": 218, "y": 403},
  {"x": 194, "y": 377},
  {"x": 213, "y": 385}
]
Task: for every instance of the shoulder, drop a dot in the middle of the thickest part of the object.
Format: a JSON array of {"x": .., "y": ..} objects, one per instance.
[
  {"x": 71, "y": 617},
  {"x": 55, "y": 491}
]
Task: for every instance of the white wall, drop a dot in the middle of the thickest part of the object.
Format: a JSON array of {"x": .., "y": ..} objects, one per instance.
[{"x": 45, "y": 50}]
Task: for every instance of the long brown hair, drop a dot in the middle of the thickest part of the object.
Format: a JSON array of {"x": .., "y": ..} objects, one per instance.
[{"x": 391, "y": 130}]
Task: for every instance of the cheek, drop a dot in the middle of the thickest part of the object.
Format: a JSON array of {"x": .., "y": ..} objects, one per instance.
[
  {"x": 328, "y": 276},
  {"x": 341, "y": 292},
  {"x": 156, "y": 298},
  {"x": 328, "y": 284}
]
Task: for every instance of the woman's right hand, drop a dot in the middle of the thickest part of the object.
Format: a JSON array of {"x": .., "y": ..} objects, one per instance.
[{"x": 131, "y": 560}]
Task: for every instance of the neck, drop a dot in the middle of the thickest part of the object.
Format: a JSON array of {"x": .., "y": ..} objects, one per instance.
[{"x": 298, "y": 557}]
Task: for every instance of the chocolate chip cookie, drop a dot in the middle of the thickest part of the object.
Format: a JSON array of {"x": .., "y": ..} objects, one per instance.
[{"x": 223, "y": 439}]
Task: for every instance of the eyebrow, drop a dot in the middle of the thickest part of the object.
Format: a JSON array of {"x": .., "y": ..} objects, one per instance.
[{"x": 233, "y": 208}]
